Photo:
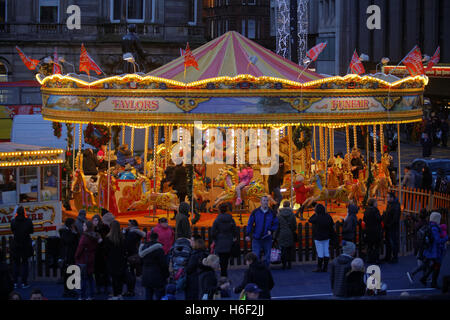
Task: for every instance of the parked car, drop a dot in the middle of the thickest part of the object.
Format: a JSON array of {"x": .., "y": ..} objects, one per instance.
[{"x": 434, "y": 164}]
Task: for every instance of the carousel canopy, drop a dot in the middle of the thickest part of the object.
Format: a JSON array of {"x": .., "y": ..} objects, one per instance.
[{"x": 233, "y": 54}]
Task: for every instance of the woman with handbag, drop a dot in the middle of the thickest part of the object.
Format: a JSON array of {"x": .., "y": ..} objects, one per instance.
[
  {"x": 85, "y": 258},
  {"x": 285, "y": 234},
  {"x": 224, "y": 233},
  {"x": 322, "y": 232}
]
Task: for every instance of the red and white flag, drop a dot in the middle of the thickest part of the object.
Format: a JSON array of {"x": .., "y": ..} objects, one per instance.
[
  {"x": 87, "y": 63},
  {"x": 434, "y": 59},
  {"x": 56, "y": 67},
  {"x": 413, "y": 62},
  {"x": 189, "y": 59},
  {"x": 356, "y": 65},
  {"x": 314, "y": 52},
  {"x": 29, "y": 62}
]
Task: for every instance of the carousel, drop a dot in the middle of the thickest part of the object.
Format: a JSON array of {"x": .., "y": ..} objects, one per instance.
[{"x": 242, "y": 117}]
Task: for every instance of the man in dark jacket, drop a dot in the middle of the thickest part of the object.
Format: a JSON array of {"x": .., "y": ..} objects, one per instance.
[
  {"x": 182, "y": 226},
  {"x": 69, "y": 243},
  {"x": 373, "y": 231},
  {"x": 340, "y": 267},
  {"x": 133, "y": 237},
  {"x": 90, "y": 163},
  {"x": 224, "y": 233},
  {"x": 155, "y": 271},
  {"x": 179, "y": 182},
  {"x": 350, "y": 222},
  {"x": 22, "y": 228},
  {"x": 259, "y": 274},
  {"x": 391, "y": 220},
  {"x": 274, "y": 183},
  {"x": 262, "y": 224}
]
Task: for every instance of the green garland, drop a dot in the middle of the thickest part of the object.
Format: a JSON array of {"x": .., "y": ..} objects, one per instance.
[
  {"x": 296, "y": 134},
  {"x": 57, "y": 127},
  {"x": 90, "y": 138}
]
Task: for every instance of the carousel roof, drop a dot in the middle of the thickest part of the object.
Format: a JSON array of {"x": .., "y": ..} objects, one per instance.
[{"x": 231, "y": 55}]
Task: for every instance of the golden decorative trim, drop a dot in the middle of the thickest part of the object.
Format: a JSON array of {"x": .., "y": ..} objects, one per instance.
[
  {"x": 299, "y": 103},
  {"x": 243, "y": 120},
  {"x": 387, "y": 104},
  {"x": 187, "y": 103}
]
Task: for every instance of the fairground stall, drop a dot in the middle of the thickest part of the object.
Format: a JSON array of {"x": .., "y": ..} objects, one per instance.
[
  {"x": 30, "y": 177},
  {"x": 257, "y": 101}
]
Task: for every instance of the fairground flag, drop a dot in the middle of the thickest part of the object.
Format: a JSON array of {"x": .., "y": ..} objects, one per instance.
[
  {"x": 413, "y": 62},
  {"x": 29, "y": 62},
  {"x": 314, "y": 52},
  {"x": 434, "y": 59},
  {"x": 56, "y": 68},
  {"x": 87, "y": 63},
  {"x": 189, "y": 59},
  {"x": 356, "y": 65}
]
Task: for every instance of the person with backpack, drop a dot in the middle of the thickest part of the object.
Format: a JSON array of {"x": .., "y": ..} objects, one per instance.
[
  {"x": 223, "y": 234},
  {"x": 178, "y": 260},
  {"x": 262, "y": 224},
  {"x": 155, "y": 270},
  {"x": 22, "y": 228},
  {"x": 285, "y": 234},
  {"x": 350, "y": 223},
  {"x": 193, "y": 268}
]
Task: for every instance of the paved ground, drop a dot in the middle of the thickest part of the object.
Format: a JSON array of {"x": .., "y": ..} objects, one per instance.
[{"x": 299, "y": 283}]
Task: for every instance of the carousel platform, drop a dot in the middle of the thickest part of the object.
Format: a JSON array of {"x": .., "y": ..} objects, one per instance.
[{"x": 150, "y": 219}]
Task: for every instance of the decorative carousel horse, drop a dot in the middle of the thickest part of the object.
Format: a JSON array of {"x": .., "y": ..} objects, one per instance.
[
  {"x": 166, "y": 200},
  {"x": 228, "y": 179},
  {"x": 355, "y": 188},
  {"x": 382, "y": 178},
  {"x": 200, "y": 192}
]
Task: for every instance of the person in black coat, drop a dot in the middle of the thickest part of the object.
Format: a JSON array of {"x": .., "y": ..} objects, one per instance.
[
  {"x": 259, "y": 274},
  {"x": 22, "y": 228},
  {"x": 427, "y": 178},
  {"x": 179, "y": 182},
  {"x": 224, "y": 233},
  {"x": 322, "y": 232},
  {"x": 100, "y": 270},
  {"x": 354, "y": 279},
  {"x": 133, "y": 238},
  {"x": 340, "y": 268},
  {"x": 207, "y": 278},
  {"x": 193, "y": 268},
  {"x": 69, "y": 243},
  {"x": 350, "y": 222},
  {"x": 116, "y": 259},
  {"x": 90, "y": 163},
  {"x": 391, "y": 221},
  {"x": 427, "y": 145},
  {"x": 155, "y": 270},
  {"x": 168, "y": 177},
  {"x": 373, "y": 231}
]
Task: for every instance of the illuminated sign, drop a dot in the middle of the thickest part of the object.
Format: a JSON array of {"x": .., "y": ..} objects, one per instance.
[{"x": 135, "y": 105}]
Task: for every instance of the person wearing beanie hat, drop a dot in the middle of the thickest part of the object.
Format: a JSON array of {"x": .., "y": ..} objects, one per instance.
[
  {"x": 340, "y": 268},
  {"x": 322, "y": 232},
  {"x": 373, "y": 231},
  {"x": 391, "y": 221},
  {"x": 350, "y": 222},
  {"x": 354, "y": 279},
  {"x": 183, "y": 226},
  {"x": 108, "y": 218}
]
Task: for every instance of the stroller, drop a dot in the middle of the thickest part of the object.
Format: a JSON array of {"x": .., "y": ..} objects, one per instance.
[{"x": 179, "y": 257}]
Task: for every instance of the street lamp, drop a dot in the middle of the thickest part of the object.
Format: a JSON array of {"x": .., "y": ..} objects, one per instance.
[
  {"x": 50, "y": 60},
  {"x": 62, "y": 60},
  {"x": 384, "y": 61},
  {"x": 129, "y": 58}
]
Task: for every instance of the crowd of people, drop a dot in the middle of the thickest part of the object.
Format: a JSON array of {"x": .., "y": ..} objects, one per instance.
[{"x": 171, "y": 261}]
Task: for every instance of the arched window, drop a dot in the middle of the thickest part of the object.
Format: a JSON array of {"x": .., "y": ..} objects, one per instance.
[{"x": 3, "y": 72}]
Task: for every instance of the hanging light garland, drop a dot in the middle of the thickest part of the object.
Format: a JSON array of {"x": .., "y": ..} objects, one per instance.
[
  {"x": 381, "y": 140},
  {"x": 123, "y": 134},
  {"x": 321, "y": 143},
  {"x": 355, "y": 138},
  {"x": 374, "y": 143},
  {"x": 155, "y": 154},
  {"x": 132, "y": 141}
]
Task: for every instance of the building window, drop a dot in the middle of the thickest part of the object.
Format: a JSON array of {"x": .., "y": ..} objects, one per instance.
[
  {"x": 49, "y": 11},
  {"x": 3, "y": 72},
  {"x": 226, "y": 25},
  {"x": 251, "y": 29},
  {"x": 28, "y": 184},
  {"x": 49, "y": 183},
  {"x": 192, "y": 12},
  {"x": 251, "y": 2},
  {"x": 212, "y": 29},
  {"x": 3, "y": 11},
  {"x": 134, "y": 10},
  {"x": 243, "y": 32}
]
